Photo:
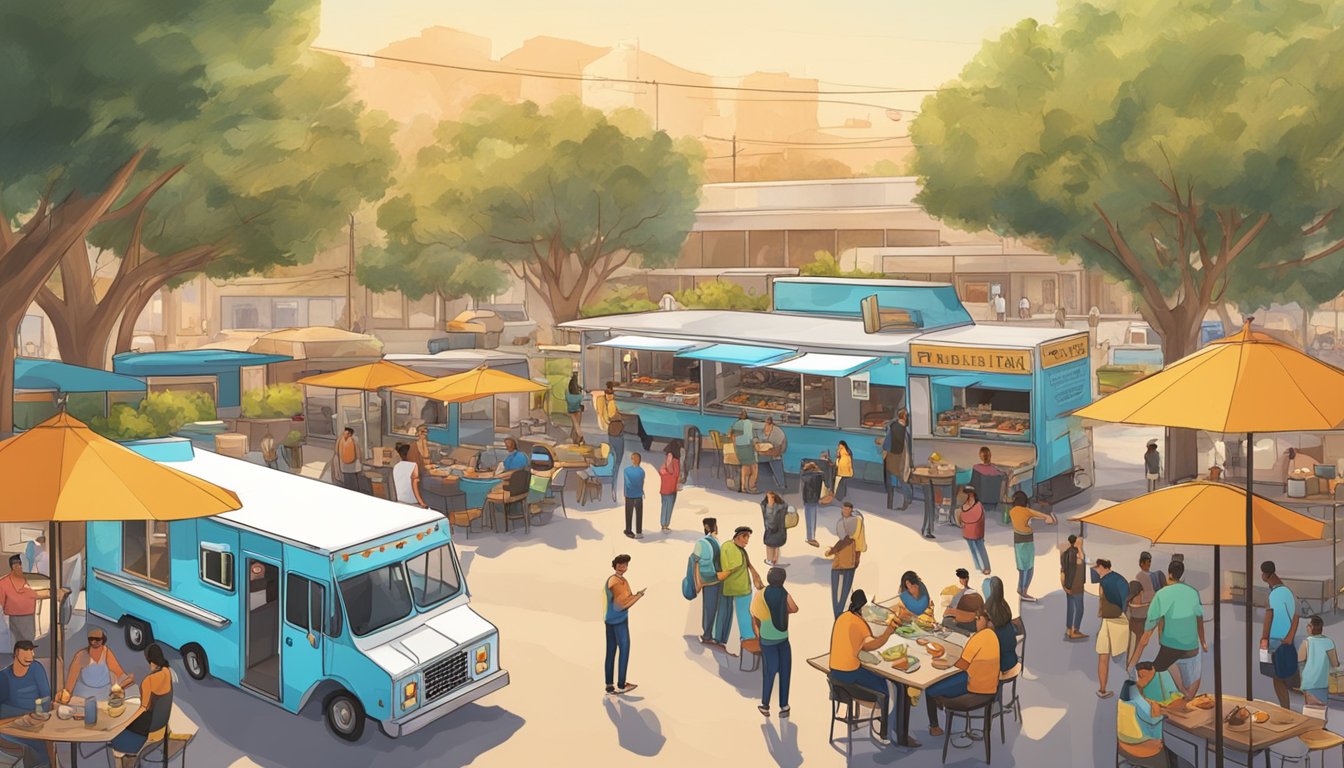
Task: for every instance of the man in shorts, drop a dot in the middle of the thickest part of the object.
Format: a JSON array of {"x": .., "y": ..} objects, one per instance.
[
  {"x": 1178, "y": 610},
  {"x": 1113, "y": 635}
]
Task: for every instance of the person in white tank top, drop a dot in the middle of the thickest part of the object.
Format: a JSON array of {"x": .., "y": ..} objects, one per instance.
[{"x": 406, "y": 478}]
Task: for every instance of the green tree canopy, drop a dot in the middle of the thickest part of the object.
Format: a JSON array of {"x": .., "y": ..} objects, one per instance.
[
  {"x": 562, "y": 197},
  {"x": 1189, "y": 148}
]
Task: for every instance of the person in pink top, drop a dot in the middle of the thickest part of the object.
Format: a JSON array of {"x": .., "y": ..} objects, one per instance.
[
  {"x": 669, "y": 475},
  {"x": 973, "y": 528},
  {"x": 19, "y": 601}
]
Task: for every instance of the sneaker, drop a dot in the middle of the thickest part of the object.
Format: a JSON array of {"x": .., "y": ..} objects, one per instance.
[
  {"x": 880, "y": 741},
  {"x": 611, "y": 689},
  {"x": 627, "y": 688},
  {"x": 812, "y": 543},
  {"x": 783, "y": 711},
  {"x": 764, "y": 710},
  {"x": 1026, "y": 598},
  {"x": 929, "y": 536},
  {"x": 629, "y": 534}
]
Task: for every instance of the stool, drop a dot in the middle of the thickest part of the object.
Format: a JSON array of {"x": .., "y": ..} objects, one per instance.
[
  {"x": 750, "y": 648},
  {"x": 853, "y": 698},
  {"x": 1317, "y": 741},
  {"x": 972, "y": 706}
]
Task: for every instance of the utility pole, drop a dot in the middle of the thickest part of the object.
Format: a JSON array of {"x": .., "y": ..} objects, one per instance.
[
  {"x": 350, "y": 281},
  {"x": 657, "y": 107},
  {"x": 734, "y": 157}
]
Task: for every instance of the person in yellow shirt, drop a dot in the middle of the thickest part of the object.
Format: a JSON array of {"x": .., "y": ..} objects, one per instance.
[
  {"x": 851, "y": 634},
  {"x": 347, "y": 456},
  {"x": 1024, "y": 541},
  {"x": 844, "y": 469},
  {"x": 156, "y": 693},
  {"x": 979, "y": 665}
]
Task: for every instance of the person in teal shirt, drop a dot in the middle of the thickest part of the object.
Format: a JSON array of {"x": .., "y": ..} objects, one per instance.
[
  {"x": 770, "y": 616},
  {"x": 1178, "y": 608},
  {"x": 1318, "y": 656},
  {"x": 1280, "y": 627},
  {"x": 1139, "y": 719}
]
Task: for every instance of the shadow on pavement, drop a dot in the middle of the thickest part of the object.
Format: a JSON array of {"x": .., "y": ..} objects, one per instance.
[
  {"x": 637, "y": 729},
  {"x": 781, "y": 738}
]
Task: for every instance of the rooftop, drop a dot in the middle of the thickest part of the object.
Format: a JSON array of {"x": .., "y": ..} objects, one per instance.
[{"x": 189, "y": 361}]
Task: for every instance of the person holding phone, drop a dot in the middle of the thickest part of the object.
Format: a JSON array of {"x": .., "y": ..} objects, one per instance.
[{"x": 619, "y": 601}]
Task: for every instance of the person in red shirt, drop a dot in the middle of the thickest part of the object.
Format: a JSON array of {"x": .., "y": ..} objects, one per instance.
[
  {"x": 19, "y": 601},
  {"x": 669, "y": 475},
  {"x": 973, "y": 529}
]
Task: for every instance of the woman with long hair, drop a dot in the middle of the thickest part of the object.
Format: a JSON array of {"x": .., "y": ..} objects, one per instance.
[
  {"x": 914, "y": 595},
  {"x": 844, "y": 469},
  {"x": 574, "y": 406},
  {"x": 773, "y": 512},
  {"x": 770, "y": 612},
  {"x": 1024, "y": 542},
  {"x": 1001, "y": 621},
  {"x": 156, "y": 695},
  {"x": 973, "y": 529}
]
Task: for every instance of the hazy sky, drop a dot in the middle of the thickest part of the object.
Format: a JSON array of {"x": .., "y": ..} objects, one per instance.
[{"x": 889, "y": 44}]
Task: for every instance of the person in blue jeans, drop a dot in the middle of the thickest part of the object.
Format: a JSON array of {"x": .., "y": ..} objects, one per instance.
[
  {"x": 619, "y": 601},
  {"x": 851, "y": 634},
  {"x": 1072, "y": 576},
  {"x": 770, "y": 615},
  {"x": 634, "y": 498},
  {"x": 22, "y": 683},
  {"x": 812, "y": 482},
  {"x": 709, "y": 578},
  {"x": 845, "y": 555}
]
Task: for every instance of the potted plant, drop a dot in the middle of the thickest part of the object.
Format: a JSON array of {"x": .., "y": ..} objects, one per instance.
[{"x": 293, "y": 445}]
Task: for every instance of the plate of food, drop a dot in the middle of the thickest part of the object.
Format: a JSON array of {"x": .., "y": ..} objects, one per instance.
[
  {"x": 906, "y": 664},
  {"x": 935, "y": 650},
  {"x": 1202, "y": 701},
  {"x": 868, "y": 657},
  {"x": 907, "y": 631},
  {"x": 894, "y": 652},
  {"x": 942, "y": 663}
]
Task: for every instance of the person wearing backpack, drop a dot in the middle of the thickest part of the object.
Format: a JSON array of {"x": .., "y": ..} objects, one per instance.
[{"x": 708, "y": 576}]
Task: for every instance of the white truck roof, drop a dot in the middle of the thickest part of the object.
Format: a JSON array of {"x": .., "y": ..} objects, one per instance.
[{"x": 311, "y": 513}]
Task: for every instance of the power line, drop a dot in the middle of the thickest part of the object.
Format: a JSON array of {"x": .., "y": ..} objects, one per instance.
[
  {"x": 807, "y": 101},
  {"x": 777, "y": 143},
  {"x": 590, "y": 79}
]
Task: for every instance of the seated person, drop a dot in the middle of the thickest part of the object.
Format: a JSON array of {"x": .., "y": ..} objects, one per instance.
[
  {"x": 94, "y": 670},
  {"x": 1215, "y": 474},
  {"x": 963, "y": 604},
  {"x": 851, "y": 634},
  {"x": 156, "y": 692},
  {"x": 986, "y": 466},
  {"x": 1139, "y": 719},
  {"x": 21, "y": 685},
  {"x": 914, "y": 596},
  {"x": 513, "y": 460},
  {"x": 979, "y": 671},
  {"x": 1001, "y": 621}
]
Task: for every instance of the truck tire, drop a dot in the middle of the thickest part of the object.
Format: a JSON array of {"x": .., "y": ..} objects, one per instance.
[
  {"x": 194, "y": 659},
  {"x": 138, "y": 634},
  {"x": 344, "y": 715}
]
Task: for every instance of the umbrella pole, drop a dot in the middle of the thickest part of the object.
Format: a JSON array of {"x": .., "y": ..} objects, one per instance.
[
  {"x": 1217, "y": 658},
  {"x": 1250, "y": 562},
  {"x": 54, "y": 563}
]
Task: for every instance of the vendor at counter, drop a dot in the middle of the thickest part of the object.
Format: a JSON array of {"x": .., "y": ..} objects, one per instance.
[{"x": 743, "y": 433}]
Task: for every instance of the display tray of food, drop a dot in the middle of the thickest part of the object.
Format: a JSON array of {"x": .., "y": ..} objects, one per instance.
[
  {"x": 761, "y": 401},
  {"x": 977, "y": 422}
]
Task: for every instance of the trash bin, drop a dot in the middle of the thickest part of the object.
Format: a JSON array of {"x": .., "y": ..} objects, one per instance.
[{"x": 232, "y": 444}]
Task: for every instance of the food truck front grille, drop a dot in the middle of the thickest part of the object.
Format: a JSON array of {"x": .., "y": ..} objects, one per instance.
[{"x": 444, "y": 676}]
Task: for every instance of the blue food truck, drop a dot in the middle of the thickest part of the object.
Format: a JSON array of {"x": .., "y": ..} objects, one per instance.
[
  {"x": 835, "y": 359},
  {"x": 307, "y": 593}
]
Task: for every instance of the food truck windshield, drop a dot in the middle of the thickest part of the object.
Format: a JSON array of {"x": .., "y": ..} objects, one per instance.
[{"x": 384, "y": 596}]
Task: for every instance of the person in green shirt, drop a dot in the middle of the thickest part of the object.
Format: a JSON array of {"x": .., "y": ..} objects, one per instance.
[
  {"x": 736, "y": 596},
  {"x": 1178, "y": 610}
]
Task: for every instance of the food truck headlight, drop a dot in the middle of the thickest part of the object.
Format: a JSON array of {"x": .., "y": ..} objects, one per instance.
[
  {"x": 482, "y": 655},
  {"x": 410, "y": 693}
]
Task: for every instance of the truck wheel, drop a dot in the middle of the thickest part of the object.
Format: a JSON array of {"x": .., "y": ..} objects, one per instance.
[
  {"x": 193, "y": 657},
  {"x": 345, "y": 715},
  {"x": 138, "y": 635}
]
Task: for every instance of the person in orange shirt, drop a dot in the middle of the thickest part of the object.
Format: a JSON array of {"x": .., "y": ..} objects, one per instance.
[
  {"x": 156, "y": 696},
  {"x": 851, "y": 634},
  {"x": 979, "y": 665},
  {"x": 347, "y": 455}
]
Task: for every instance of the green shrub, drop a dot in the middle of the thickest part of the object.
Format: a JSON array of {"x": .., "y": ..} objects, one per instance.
[
  {"x": 160, "y": 414},
  {"x": 620, "y": 300},
  {"x": 278, "y": 401},
  {"x": 293, "y": 438},
  {"x": 823, "y": 264},
  {"x": 722, "y": 294}
]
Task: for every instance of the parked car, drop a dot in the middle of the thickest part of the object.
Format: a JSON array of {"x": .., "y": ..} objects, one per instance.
[
  {"x": 1128, "y": 363},
  {"x": 519, "y": 327}
]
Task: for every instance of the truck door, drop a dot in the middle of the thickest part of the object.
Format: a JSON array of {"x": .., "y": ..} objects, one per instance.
[{"x": 304, "y": 631}]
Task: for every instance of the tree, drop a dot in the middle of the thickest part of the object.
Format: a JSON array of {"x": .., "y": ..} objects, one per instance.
[
  {"x": 562, "y": 198},
  {"x": 259, "y": 169},
  {"x": 419, "y": 269},
  {"x": 823, "y": 264},
  {"x": 1189, "y": 148}
]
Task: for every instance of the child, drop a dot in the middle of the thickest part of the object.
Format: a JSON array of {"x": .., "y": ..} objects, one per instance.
[{"x": 1318, "y": 657}]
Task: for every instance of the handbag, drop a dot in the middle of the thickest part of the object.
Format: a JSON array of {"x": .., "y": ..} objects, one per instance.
[
  {"x": 615, "y": 427},
  {"x": 791, "y": 518}
]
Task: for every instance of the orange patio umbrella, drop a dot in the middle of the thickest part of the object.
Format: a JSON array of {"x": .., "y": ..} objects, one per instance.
[
  {"x": 367, "y": 378},
  {"x": 1200, "y": 513},
  {"x": 471, "y": 385},
  {"x": 62, "y": 471}
]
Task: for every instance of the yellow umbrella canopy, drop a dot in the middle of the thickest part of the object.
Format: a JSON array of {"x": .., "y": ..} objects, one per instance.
[
  {"x": 62, "y": 471},
  {"x": 471, "y": 385},
  {"x": 1204, "y": 513},
  {"x": 1247, "y": 382},
  {"x": 368, "y": 378}
]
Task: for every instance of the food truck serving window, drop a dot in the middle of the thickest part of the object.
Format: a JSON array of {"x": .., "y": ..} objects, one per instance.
[
  {"x": 965, "y": 406},
  {"x": 659, "y": 377},
  {"x": 760, "y": 392}
]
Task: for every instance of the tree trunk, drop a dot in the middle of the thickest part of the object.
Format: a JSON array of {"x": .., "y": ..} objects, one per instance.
[
  {"x": 1180, "y": 337},
  {"x": 1225, "y": 316}
]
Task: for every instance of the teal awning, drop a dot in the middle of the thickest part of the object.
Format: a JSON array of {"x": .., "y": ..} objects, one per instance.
[
  {"x": 647, "y": 343},
  {"x": 955, "y": 381},
  {"x": 738, "y": 354},
  {"x": 52, "y": 375},
  {"x": 816, "y": 364}
]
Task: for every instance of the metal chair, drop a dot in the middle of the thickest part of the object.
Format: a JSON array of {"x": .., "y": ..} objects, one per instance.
[
  {"x": 853, "y": 698},
  {"x": 988, "y": 489},
  {"x": 557, "y": 489},
  {"x": 539, "y": 488},
  {"x": 604, "y": 470},
  {"x": 1009, "y": 684},
  {"x": 716, "y": 447},
  {"x": 971, "y": 707},
  {"x": 513, "y": 491}
]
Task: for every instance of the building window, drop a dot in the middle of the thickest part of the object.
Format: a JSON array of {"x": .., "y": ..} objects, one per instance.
[
  {"x": 691, "y": 256},
  {"x": 385, "y": 306},
  {"x": 319, "y": 412},
  {"x": 324, "y": 311},
  {"x": 189, "y": 308},
  {"x": 912, "y": 237},
  {"x": 286, "y": 314},
  {"x": 765, "y": 248},
  {"x": 144, "y": 550},
  {"x": 216, "y": 566},
  {"x": 805, "y": 243},
  {"x": 725, "y": 249},
  {"x": 305, "y": 603},
  {"x": 420, "y": 312},
  {"x": 849, "y": 239}
]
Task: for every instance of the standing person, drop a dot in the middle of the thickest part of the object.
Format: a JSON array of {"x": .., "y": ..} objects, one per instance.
[
  {"x": 574, "y": 407},
  {"x": 897, "y": 447},
  {"x": 347, "y": 458},
  {"x": 1024, "y": 308},
  {"x": 978, "y": 671},
  {"x": 1152, "y": 466},
  {"x": 774, "y": 533},
  {"x": 845, "y": 555},
  {"x": 709, "y": 576},
  {"x": 1093, "y": 320},
  {"x": 615, "y": 432},
  {"x": 1279, "y": 630},
  {"x": 735, "y": 598},
  {"x": 268, "y": 453},
  {"x": 669, "y": 477},
  {"x": 619, "y": 601},
  {"x": 1072, "y": 576},
  {"x": 851, "y": 634},
  {"x": 35, "y": 556},
  {"x": 406, "y": 478},
  {"x": 1000, "y": 308},
  {"x": 420, "y": 451},
  {"x": 94, "y": 669},
  {"x": 19, "y": 601},
  {"x": 1113, "y": 635},
  {"x": 1318, "y": 657},
  {"x": 1024, "y": 541},
  {"x": 844, "y": 469},
  {"x": 1060, "y": 317},
  {"x": 744, "y": 444},
  {"x": 779, "y": 443},
  {"x": 812, "y": 481},
  {"x": 973, "y": 529},
  {"x": 156, "y": 685},
  {"x": 770, "y": 617},
  {"x": 634, "y": 498},
  {"x": 1178, "y": 608},
  {"x": 1149, "y": 582},
  {"x": 22, "y": 683}
]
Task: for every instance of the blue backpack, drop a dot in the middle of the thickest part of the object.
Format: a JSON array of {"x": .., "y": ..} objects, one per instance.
[{"x": 688, "y": 583}]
